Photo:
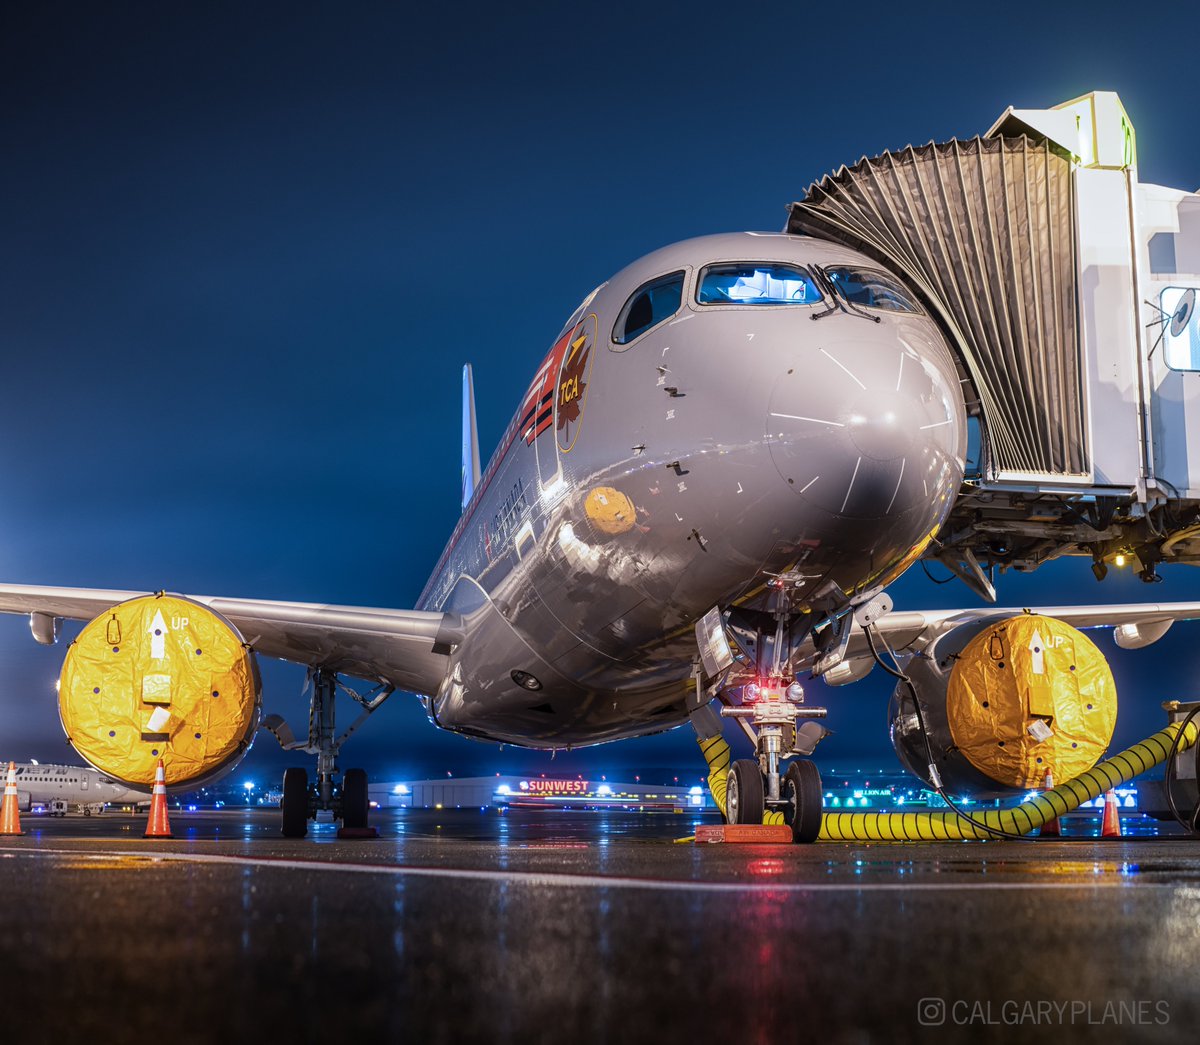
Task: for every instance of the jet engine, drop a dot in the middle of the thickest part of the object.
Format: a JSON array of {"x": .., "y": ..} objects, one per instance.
[
  {"x": 1003, "y": 702},
  {"x": 160, "y": 677}
]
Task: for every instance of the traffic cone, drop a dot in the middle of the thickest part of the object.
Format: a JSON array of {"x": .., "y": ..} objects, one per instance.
[
  {"x": 1051, "y": 828},
  {"x": 1111, "y": 826},
  {"x": 159, "y": 826},
  {"x": 10, "y": 815}
]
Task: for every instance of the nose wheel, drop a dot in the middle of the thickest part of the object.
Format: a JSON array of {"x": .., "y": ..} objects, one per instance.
[
  {"x": 803, "y": 800},
  {"x": 744, "y": 793}
]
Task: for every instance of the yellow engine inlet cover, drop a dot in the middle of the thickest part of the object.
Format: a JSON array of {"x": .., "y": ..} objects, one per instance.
[
  {"x": 159, "y": 677},
  {"x": 1031, "y": 694}
]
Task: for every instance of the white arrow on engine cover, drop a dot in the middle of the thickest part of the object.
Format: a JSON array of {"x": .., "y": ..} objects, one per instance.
[
  {"x": 1036, "y": 645},
  {"x": 158, "y": 637}
]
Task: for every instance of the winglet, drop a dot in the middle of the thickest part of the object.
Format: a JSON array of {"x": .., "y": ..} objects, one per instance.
[{"x": 470, "y": 439}]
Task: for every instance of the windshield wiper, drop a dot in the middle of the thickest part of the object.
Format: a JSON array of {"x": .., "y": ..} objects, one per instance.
[{"x": 839, "y": 299}]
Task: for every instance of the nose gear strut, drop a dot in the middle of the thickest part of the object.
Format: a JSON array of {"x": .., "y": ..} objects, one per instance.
[{"x": 771, "y": 704}]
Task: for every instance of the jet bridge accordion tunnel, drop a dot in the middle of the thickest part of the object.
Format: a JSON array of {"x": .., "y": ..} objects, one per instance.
[{"x": 983, "y": 231}]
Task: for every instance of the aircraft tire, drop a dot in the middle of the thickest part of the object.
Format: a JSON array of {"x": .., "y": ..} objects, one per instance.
[
  {"x": 744, "y": 793},
  {"x": 355, "y": 803},
  {"x": 294, "y": 807},
  {"x": 802, "y": 793}
]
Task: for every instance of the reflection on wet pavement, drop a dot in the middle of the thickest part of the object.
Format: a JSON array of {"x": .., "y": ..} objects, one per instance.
[{"x": 467, "y": 925}]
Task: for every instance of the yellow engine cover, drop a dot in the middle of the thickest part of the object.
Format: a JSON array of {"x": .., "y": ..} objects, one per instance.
[
  {"x": 1031, "y": 694},
  {"x": 160, "y": 677}
]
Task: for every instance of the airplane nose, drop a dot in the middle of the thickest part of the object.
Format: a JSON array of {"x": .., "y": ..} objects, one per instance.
[{"x": 868, "y": 429}]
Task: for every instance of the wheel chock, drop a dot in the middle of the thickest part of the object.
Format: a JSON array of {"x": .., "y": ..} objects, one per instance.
[
  {"x": 774, "y": 834},
  {"x": 358, "y": 832}
]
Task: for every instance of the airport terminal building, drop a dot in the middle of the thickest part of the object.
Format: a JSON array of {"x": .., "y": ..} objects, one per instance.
[{"x": 539, "y": 791}]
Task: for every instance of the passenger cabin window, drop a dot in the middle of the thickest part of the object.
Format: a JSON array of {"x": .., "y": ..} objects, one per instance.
[
  {"x": 871, "y": 289},
  {"x": 651, "y": 304},
  {"x": 756, "y": 283}
]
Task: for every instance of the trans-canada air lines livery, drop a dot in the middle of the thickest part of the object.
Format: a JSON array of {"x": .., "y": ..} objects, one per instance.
[{"x": 729, "y": 452}]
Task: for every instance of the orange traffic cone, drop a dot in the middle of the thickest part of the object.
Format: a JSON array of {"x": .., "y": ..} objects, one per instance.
[
  {"x": 10, "y": 815},
  {"x": 1111, "y": 827},
  {"x": 159, "y": 826},
  {"x": 1051, "y": 828}
]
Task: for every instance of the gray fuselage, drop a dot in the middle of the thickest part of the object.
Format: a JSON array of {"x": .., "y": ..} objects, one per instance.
[{"x": 641, "y": 484}]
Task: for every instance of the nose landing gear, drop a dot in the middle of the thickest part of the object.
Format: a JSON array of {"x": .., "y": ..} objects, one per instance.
[
  {"x": 757, "y": 786},
  {"x": 762, "y": 695}
]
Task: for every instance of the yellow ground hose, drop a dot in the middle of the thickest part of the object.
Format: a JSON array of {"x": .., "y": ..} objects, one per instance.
[
  {"x": 716, "y": 753},
  {"x": 925, "y": 827}
]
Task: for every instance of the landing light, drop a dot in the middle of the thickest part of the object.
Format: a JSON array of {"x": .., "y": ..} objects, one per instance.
[
  {"x": 604, "y": 790},
  {"x": 400, "y": 789},
  {"x": 503, "y": 789},
  {"x": 1119, "y": 560}
]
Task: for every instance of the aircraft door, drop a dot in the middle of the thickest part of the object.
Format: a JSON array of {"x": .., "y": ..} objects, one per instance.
[{"x": 84, "y": 779}]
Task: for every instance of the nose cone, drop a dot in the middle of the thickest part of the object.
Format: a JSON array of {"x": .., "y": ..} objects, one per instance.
[{"x": 871, "y": 427}]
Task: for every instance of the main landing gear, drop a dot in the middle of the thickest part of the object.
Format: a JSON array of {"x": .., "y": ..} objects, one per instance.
[{"x": 348, "y": 799}]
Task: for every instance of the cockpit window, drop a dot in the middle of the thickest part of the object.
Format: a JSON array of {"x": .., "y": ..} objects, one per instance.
[
  {"x": 871, "y": 289},
  {"x": 650, "y": 304},
  {"x": 756, "y": 283}
]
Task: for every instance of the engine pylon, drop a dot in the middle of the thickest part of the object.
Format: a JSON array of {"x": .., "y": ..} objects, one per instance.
[
  {"x": 159, "y": 825},
  {"x": 10, "y": 814},
  {"x": 1111, "y": 825},
  {"x": 1051, "y": 828}
]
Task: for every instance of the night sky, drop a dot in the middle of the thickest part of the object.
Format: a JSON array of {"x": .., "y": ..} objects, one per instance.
[{"x": 246, "y": 249}]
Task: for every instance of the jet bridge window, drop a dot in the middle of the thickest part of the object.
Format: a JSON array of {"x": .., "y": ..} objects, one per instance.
[
  {"x": 756, "y": 283},
  {"x": 1181, "y": 333},
  {"x": 871, "y": 289},
  {"x": 650, "y": 304}
]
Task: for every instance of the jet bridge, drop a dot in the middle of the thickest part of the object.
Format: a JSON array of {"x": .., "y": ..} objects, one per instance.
[{"x": 1068, "y": 289}]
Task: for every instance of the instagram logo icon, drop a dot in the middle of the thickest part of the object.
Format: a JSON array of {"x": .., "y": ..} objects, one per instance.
[{"x": 931, "y": 1012}]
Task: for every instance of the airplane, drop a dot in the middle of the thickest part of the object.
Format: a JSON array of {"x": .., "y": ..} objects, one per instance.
[
  {"x": 731, "y": 449},
  {"x": 75, "y": 786}
]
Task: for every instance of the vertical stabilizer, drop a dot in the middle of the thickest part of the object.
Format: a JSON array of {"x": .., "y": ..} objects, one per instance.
[{"x": 470, "y": 438}]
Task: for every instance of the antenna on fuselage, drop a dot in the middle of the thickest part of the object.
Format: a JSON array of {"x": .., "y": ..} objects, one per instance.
[{"x": 470, "y": 438}]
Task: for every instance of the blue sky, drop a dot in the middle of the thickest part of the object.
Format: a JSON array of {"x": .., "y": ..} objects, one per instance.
[{"x": 247, "y": 248}]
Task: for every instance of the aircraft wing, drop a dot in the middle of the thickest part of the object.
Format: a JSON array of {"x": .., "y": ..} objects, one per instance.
[
  {"x": 408, "y": 649},
  {"x": 911, "y": 631}
]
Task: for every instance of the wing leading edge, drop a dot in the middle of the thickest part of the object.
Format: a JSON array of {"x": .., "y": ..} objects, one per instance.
[
  {"x": 408, "y": 649},
  {"x": 912, "y": 631}
]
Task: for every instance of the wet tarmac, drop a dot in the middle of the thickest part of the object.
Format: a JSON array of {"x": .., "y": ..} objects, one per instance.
[{"x": 468, "y": 925}]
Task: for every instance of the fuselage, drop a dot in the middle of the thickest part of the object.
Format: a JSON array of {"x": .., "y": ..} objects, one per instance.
[
  {"x": 724, "y": 409},
  {"x": 75, "y": 785}
]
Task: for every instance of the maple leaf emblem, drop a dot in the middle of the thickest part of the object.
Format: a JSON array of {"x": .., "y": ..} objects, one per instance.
[{"x": 571, "y": 385}]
